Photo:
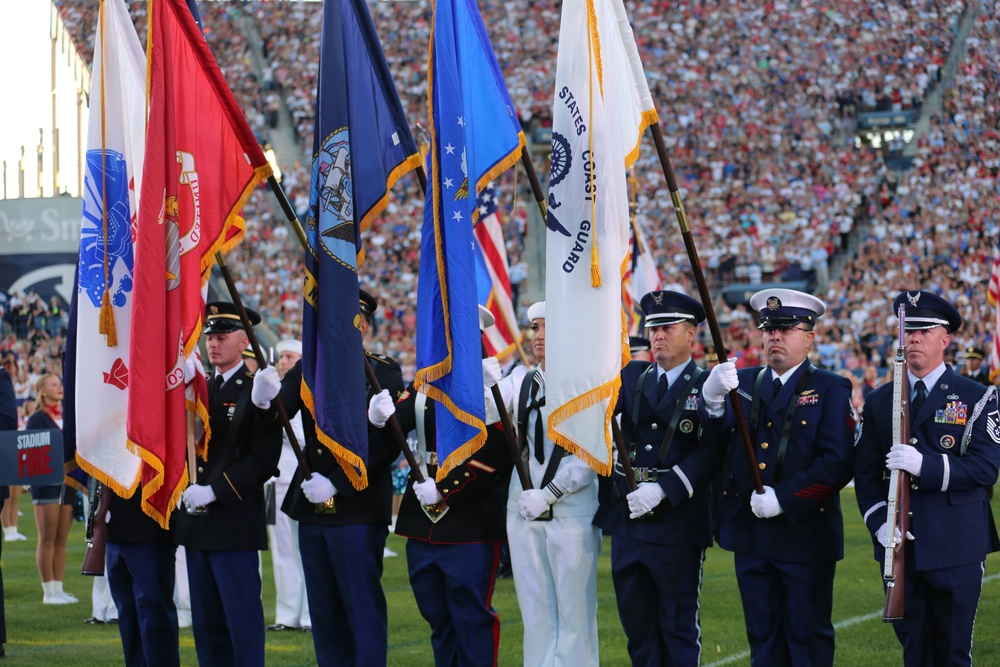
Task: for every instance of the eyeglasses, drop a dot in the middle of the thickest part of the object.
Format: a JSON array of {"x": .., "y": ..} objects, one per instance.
[{"x": 770, "y": 332}]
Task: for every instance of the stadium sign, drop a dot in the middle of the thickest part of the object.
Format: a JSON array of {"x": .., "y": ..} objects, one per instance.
[{"x": 39, "y": 245}]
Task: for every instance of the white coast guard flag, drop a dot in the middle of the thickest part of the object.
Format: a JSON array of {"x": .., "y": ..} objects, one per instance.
[
  {"x": 602, "y": 105},
  {"x": 115, "y": 142}
]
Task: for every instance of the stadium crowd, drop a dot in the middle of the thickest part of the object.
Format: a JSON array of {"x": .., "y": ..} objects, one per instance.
[{"x": 760, "y": 132}]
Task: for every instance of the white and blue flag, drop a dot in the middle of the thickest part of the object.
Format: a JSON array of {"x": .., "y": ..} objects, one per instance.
[{"x": 115, "y": 144}]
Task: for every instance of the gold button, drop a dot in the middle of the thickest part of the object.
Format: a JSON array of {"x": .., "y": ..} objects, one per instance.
[
  {"x": 200, "y": 469},
  {"x": 456, "y": 482},
  {"x": 803, "y": 422},
  {"x": 444, "y": 490},
  {"x": 725, "y": 493},
  {"x": 762, "y": 465},
  {"x": 764, "y": 445},
  {"x": 655, "y": 426},
  {"x": 466, "y": 474},
  {"x": 769, "y": 424},
  {"x": 319, "y": 451},
  {"x": 822, "y": 509}
]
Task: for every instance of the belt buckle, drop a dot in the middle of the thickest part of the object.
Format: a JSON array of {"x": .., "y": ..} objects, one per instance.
[{"x": 645, "y": 474}]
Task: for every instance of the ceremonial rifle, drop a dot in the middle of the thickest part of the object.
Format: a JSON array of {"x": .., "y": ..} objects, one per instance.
[
  {"x": 898, "y": 502},
  {"x": 97, "y": 532}
]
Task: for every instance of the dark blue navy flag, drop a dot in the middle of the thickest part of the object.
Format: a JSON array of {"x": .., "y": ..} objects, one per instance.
[
  {"x": 475, "y": 136},
  {"x": 362, "y": 146}
]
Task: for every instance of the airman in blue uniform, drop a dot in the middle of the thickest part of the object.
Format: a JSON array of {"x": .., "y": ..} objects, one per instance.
[
  {"x": 953, "y": 457},
  {"x": 788, "y": 539},
  {"x": 659, "y": 532}
]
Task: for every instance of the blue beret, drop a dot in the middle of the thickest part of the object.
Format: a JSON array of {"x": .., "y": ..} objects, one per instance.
[
  {"x": 926, "y": 310},
  {"x": 663, "y": 307}
]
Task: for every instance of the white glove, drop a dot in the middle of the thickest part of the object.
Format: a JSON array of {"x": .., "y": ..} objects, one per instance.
[
  {"x": 197, "y": 495},
  {"x": 318, "y": 489},
  {"x": 191, "y": 369},
  {"x": 266, "y": 385},
  {"x": 427, "y": 492},
  {"x": 720, "y": 382},
  {"x": 380, "y": 408},
  {"x": 881, "y": 535},
  {"x": 491, "y": 372},
  {"x": 765, "y": 505},
  {"x": 534, "y": 502},
  {"x": 644, "y": 499},
  {"x": 904, "y": 457}
]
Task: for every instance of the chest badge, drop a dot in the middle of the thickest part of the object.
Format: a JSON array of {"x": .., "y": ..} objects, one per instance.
[
  {"x": 686, "y": 426},
  {"x": 954, "y": 412},
  {"x": 947, "y": 441}
]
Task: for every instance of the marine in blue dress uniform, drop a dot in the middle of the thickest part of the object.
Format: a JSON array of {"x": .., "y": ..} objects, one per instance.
[
  {"x": 788, "y": 539},
  {"x": 656, "y": 558},
  {"x": 453, "y": 563},
  {"x": 223, "y": 540},
  {"x": 342, "y": 551},
  {"x": 953, "y": 458}
]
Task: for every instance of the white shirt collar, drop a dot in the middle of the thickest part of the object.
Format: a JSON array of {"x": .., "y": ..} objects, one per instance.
[
  {"x": 228, "y": 374},
  {"x": 787, "y": 375}
]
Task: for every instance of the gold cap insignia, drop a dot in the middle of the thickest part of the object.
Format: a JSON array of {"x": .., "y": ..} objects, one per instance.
[{"x": 773, "y": 303}]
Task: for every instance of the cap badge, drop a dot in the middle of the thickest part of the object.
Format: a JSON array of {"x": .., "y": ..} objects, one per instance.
[
  {"x": 658, "y": 298},
  {"x": 913, "y": 298},
  {"x": 214, "y": 310},
  {"x": 773, "y": 303}
]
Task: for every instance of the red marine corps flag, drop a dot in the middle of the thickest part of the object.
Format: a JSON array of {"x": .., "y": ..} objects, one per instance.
[{"x": 201, "y": 164}]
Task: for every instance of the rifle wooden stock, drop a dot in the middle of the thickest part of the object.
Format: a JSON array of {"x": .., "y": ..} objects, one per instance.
[
  {"x": 898, "y": 501},
  {"x": 97, "y": 533}
]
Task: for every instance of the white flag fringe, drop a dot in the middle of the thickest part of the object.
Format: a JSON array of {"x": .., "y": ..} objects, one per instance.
[
  {"x": 602, "y": 106},
  {"x": 116, "y": 138}
]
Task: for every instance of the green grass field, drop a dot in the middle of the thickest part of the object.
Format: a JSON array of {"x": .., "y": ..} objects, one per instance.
[{"x": 43, "y": 635}]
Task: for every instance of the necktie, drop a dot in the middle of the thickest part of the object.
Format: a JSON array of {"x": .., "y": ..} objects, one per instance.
[
  {"x": 661, "y": 387},
  {"x": 777, "y": 386},
  {"x": 217, "y": 383},
  {"x": 539, "y": 431},
  {"x": 919, "y": 394}
]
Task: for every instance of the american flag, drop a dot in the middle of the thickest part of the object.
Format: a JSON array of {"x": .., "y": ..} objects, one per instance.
[
  {"x": 495, "y": 294},
  {"x": 994, "y": 297},
  {"x": 641, "y": 277}
]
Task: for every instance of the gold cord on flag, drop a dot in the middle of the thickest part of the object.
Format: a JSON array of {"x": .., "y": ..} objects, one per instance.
[
  {"x": 106, "y": 321},
  {"x": 593, "y": 46}
]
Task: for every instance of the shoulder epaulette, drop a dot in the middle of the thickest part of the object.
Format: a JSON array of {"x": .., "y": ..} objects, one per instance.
[{"x": 378, "y": 357}]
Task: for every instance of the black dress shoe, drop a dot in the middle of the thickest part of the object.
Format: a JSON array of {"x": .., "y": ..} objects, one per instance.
[
  {"x": 94, "y": 621},
  {"x": 280, "y": 627},
  {"x": 306, "y": 628}
]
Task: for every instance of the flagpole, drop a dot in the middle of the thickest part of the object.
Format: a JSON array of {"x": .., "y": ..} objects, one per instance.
[
  {"x": 508, "y": 431},
  {"x": 536, "y": 187},
  {"x": 261, "y": 361},
  {"x": 706, "y": 299}
]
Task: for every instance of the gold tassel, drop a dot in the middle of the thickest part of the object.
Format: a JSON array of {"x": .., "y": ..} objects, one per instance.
[
  {"x": 106, "y": 321},
  {"x": 595, "y": 268}
]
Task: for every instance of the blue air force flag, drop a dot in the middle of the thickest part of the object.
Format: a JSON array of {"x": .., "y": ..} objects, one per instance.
[
  {"x": 115, "y": 144},
  {"x": 475, "y": 136},
  {"x": 362, "y": 146},
  {"x": 601, "y": 108}
]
